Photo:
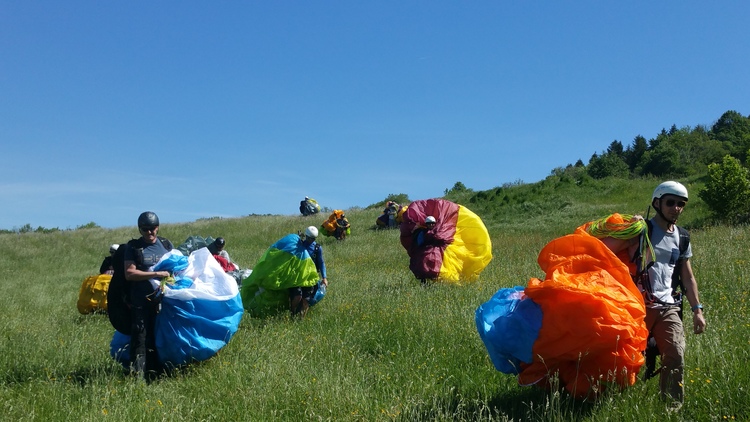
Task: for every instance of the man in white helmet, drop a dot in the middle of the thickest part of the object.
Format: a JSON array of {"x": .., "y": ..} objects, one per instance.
[
  {"x": 300, "y": 297},
  {"x": 663, "y": 303}
]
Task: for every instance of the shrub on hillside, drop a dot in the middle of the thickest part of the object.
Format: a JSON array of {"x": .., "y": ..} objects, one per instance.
[{"x": 727, "y": 190}]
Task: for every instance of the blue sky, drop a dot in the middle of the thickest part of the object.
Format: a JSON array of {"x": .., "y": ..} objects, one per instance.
[{"x": 202, "y": 109}]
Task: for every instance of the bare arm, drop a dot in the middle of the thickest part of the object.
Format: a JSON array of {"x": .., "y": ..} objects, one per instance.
[
  {"x": 132, "y": 273},
  {"x": 691, "y": 291}
]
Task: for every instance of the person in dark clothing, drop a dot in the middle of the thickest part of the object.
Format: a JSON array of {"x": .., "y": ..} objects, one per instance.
[
  {"x": 222, "y": 256},
  {"x": 140, "y": 256},
  {"x": 308, "y": 206},
  {"x": 217, "y": 246},
  {"x": 106, "y": 267}
]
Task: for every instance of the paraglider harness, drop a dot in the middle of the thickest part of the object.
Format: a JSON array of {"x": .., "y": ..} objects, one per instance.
[
  {"x": 643, "y": 282},
  {"x": 118, "y": 293},
  {"x": 300, "y": 297}
]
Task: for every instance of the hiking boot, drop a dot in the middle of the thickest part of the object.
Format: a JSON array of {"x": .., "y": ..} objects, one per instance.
[{"x": 674, "y": 407}]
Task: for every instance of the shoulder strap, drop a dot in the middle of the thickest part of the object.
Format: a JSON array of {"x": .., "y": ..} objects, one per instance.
[
  {"x": 316, "y": 251},
  {"x": 684, "y": 239},
  {"x": 677, "y": 274},
  {"x": 137, "y": 246},
  {"x": 166, "y": 243},
  {"x": 650, "y": 232}
]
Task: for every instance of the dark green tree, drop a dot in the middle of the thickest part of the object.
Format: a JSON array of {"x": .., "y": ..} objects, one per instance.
[
  {"x": 607, "y": 165},
  {"x": 727, "y": 191},
  {"x": 664, "y": 160},
  {"x": 733, "y": 131},
  {"x": 635, "y": 151},
  {"x": 616, "y": 148}
]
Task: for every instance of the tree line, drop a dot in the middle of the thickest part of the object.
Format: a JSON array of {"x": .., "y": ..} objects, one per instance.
[{"x": 718, "y": 154}]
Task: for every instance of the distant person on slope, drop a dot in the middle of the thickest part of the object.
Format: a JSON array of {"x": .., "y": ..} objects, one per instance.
[
  {"x": 309, "y": 206},
  {"x": 106, "y": 267}
]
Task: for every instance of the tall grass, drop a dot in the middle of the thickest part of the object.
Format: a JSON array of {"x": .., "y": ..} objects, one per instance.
[{"x": 378, "y": 347}]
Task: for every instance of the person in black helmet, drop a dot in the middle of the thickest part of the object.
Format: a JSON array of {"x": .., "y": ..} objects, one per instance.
[
  {"x": 140, "y": 256},
  {"x": 217, "y": 248},
  {"x": 222, "y": 256}
]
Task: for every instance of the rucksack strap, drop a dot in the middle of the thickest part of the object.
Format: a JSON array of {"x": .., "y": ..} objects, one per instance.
[
  {"x": 138, "y": 246},
  {"x": 645, "y": 282},
  {"x": 677, "y": 274},
  {"x": 166, "y": 243}
]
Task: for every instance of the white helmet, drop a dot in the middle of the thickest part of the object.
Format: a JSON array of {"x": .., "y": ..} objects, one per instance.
[
  {"x": 113, "y": 248},
  {"x": 311, "y": 232},
  {"x": 430, "y": 219},
  {"x": 670, "y": 188}
]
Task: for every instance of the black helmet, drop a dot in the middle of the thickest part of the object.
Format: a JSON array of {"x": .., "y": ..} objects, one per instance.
[
  {"x": 148, "y": 219},
  {"x": 219, "y": 241}
]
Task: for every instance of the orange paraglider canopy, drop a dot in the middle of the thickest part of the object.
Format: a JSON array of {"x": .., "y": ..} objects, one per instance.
[
  {"x": 582, "y": 327},
  {"x": 593, "y": 329}
]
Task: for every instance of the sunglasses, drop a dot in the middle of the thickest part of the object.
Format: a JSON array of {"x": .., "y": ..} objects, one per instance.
[
  {"x": 672, "y": 202},
  {"x": 149, "y": 229}
]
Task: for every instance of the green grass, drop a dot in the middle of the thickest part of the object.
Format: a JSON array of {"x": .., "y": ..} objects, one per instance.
[{"x": 378, "y": 347}]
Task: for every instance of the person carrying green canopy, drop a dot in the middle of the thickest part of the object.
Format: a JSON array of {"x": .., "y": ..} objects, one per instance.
[{"x": 291, "y": 273}]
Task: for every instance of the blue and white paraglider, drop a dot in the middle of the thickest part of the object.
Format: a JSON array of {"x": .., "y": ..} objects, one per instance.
[{"x": 200, "y": 311}]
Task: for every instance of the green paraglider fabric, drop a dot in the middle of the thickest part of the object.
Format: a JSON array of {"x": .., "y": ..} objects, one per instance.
[{"x": 287, "y": 263}]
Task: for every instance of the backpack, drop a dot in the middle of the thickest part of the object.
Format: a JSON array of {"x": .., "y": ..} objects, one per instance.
[{"x": 118, "y": 294}]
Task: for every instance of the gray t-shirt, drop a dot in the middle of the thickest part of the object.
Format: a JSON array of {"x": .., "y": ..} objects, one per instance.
[
  {"x": 667, "y": 248},
  {"x": 151, "y": 254}
]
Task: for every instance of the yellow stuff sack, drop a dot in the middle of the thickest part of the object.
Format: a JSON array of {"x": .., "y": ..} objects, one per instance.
[{"x": 93, "y": 294}]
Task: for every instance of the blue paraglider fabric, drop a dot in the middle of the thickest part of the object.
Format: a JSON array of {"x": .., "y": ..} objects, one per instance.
[{"x": 509, "y": 324}]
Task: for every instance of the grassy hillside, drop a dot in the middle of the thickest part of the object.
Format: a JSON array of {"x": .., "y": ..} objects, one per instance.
[{"x": 378, "y": 347}]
